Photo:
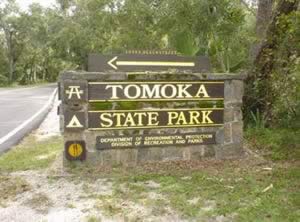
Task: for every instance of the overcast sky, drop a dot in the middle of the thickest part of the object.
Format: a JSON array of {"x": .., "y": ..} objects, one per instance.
[{"x": 25, "y": 3}]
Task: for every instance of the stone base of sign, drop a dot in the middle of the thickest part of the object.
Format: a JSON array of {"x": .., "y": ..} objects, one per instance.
[{"x": 229, "y": 137}]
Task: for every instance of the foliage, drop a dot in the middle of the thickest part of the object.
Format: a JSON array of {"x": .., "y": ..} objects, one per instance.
[
  {"x": 258, "y": 120},
  {"x": 277, "y": 144},
  {"x": 3, "y": 80},
  {"x": 47, "y": 41}
]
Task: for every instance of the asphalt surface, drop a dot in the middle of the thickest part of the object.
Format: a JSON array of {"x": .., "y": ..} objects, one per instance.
[{"x": 22, "y": 110}]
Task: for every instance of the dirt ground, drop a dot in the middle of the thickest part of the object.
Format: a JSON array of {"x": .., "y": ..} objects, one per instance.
[{"x": 57, "y": 195}]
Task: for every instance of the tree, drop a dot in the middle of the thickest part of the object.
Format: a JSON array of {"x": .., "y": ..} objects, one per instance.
[
  {"x": 274, "y": 54},
  {"x": 211, "y": 28},
  {"x": 8, "y": 24}
]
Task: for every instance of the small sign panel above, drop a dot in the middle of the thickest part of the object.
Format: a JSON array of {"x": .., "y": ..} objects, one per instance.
[{"x": 146, "y": 62}]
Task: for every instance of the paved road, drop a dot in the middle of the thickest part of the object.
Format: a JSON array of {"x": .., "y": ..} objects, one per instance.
[{"x": 22, "y": 110}]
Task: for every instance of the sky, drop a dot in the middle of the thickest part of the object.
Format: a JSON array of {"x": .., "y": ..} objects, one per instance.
[
  {"x": 25, "y": 3},
  {"x": 47, "y": 3}
]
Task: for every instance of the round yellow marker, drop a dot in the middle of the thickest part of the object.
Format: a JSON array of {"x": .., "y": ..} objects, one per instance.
[{"x": 75, "y": 150}]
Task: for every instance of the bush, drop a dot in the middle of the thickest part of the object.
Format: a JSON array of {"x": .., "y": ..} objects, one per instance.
[{"x": 3, "y": 80}]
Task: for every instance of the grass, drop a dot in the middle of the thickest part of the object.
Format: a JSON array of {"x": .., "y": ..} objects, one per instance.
[
  {"x": 243, "y": 198},
  {"x": 232, "y": 189},
  {"x": 246, "y": 191},
  {"x": 275, "y": 144},
  {"x": 93, "y": 219},
  {"x": 241, "y": 190},
  {"x": 31, "y": 154},
  {"x": 28, "y": 155}
]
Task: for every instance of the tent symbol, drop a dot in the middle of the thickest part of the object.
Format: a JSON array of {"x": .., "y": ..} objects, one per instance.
[{"x": 74, "y": 123}]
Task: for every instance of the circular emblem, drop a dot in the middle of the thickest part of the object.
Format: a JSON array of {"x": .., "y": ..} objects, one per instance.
[{"x": 75, "y": 150}]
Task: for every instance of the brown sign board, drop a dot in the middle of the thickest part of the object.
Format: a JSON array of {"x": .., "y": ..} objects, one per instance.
[
  {"x": 146, "y": 62},
  {"x": 155, "y": 91},
  {"x": 117, "y": 117},
  {"x": 154, "y": 119},
  {"x": 154, "y": 140}
]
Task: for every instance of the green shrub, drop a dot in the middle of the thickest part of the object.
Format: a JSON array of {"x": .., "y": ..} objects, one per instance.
[
  {"x": 278, "y": 143},
  {"x": 3, "y": 80}
]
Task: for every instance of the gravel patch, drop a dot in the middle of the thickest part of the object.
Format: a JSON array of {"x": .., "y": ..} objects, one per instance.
[
  {"x": 50, "y": 126},
  {"x": 60, "y": 199}
]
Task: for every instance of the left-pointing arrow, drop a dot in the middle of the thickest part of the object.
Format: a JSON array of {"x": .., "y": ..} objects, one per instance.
[
  {"x": 155, "y": 63},
  {"x": 110, "y": 62},
  {"x": 114, "y": 63}
]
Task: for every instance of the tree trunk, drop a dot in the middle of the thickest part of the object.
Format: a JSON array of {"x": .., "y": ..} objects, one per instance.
[
  {"x": 10, "y": 54},
  {"x": 263, "y": 18}
]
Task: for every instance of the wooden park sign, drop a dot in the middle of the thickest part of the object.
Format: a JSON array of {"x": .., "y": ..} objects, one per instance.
[{"x": 112, "y": 109}]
